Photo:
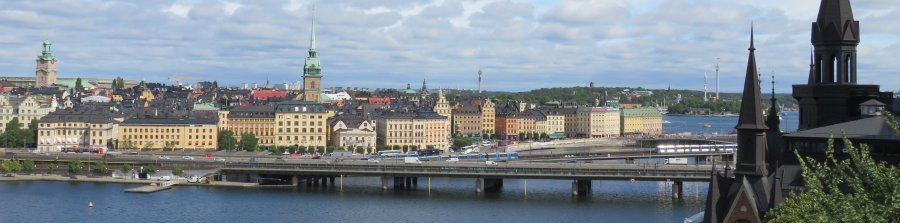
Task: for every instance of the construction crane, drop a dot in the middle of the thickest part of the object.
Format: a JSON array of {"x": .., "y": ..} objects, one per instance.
[{"x": 178, "y": 78}]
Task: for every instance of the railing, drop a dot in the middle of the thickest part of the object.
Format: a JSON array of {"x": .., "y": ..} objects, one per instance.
[{"x": 506, "y": 171}]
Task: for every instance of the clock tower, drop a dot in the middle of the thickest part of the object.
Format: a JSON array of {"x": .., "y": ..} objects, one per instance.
[
  {"x": 45, "y": 71},
  {"x": 312, "y": 71}
]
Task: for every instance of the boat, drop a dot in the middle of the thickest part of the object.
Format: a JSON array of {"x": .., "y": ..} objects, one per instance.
[
  {"x": 667, "y": 122},
  {"x": 707, "y": 125}
]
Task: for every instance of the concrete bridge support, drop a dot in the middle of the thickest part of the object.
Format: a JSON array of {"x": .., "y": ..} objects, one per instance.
[
  {"x": 324, "y": 181},
  {"x": 677, "y": 189},
  {"x": 331, "y": 178},
  {"x": 295, "y": 181},
  {"x": 477, "y": 185},
  {"x": 384, "y": 182},
  {"x": 581, "y": 187},
  {"x": 493, "y": 185},
  {"x": 408, "y": 182},
  {"x": 415, "y": 181}
]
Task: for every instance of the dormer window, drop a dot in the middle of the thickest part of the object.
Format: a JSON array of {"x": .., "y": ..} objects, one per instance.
[{"x": 871, "y": 108}]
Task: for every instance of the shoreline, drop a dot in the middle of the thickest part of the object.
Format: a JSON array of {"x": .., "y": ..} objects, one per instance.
[{"x": 105, "y": 179}]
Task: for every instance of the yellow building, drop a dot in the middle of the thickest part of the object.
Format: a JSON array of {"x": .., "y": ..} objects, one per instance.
[
  {"x": 258, "y": 120},
  {"x": 488, "y": 117},
  {"x": 467, "y": 121},
  {"x": 597, "y": 122},
  {"x": 442, "y": 107},
  {"x": 352, "y": 133},
  {"x": 421, "y": 130},
  {"x": 641, "y": 121},
  {"x": 178, "y": 134},
  {"x": 81, "y": 128},
  {"x": 301, "y": 124}
]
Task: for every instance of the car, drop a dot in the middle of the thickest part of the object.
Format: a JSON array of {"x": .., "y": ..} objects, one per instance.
[
  {"x": 453, "y": 160},
  {"x": 164, "y": 157},
  {"x": 316, "y": 156},
  {"x": 220, "y": 159},
  {"x": 188, "y": 157},
  {"x": 373, "y": 160},
  {"x": 490, "y": 163}
]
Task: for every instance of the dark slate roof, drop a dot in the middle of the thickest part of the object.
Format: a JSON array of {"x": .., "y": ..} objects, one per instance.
[
  {"x": 875, "y": 128},
  {"x": 352, "y": 121},
  {"x": 258, "y": 111},
  {"x": 168, "y": 121},
  {"x": 81, "y": 114},
  {"x": 751, "y": 105}
]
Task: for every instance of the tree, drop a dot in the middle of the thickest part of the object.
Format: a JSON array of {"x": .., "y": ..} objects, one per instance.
[
  {"x": 51, "y": 167},
  {"x": 10, "y": 166},
  {"x": 74, "y": 165},
  {"x": 126, "y": 168},
  {"x": 28, "y": 165},
  {"x": 147, "y": 146},
  {"x": 13, "y": 136},
  {"x": 150, "y": 169},
  {"x": 99, "y": 168},
  {"x": 226, "y": 140},
  {"x": 462, "y": 141},
  {"x": 177, "y": 171},
  {"x": 31, "y": 134},
  {"x": 114, "y": 84},
  {"x": 249, "y": 142},
  {"x": 858, "y": 189},
  {"x": 544, "y": 136},
  {"x": 170, "y": 145},
  {"x": 128, "y": 144},
  {"x": 359, "y": 149},
  {"x": 78, "y": 86},
  {"x": 521, "y": 136}
]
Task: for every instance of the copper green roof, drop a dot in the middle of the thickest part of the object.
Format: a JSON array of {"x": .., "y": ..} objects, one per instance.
[
  {"x": 70, "y": 83},
  {"x": 643, "y": 112},
  {"x": 47, "y": 55},
  {"x": 205, "y": 107}
]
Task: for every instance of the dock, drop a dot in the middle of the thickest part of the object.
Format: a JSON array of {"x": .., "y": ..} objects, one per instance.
[{"x": 152, "y": 188}]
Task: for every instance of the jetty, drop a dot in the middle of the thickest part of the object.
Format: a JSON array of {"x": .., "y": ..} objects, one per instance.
[{"x": 153, "y": 188}]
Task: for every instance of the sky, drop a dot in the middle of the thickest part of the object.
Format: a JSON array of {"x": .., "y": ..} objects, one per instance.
[{"x": 519, "y": 44}]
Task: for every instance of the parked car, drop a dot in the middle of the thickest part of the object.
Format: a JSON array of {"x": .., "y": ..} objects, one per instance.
[
  {"x": 188, "y": 157},
  {"x": 371, "y": 160},
  {"x": 165, "y": 157},
  {"x": 453, "y": 160},
  {"x": 490, "y": 163},
  {"x": 220, "y": 159}
]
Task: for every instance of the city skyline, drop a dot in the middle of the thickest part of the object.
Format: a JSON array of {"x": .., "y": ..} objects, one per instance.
[{"x": 520, "y": 45}]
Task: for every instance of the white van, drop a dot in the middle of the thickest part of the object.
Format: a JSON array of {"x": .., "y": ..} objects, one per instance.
[{"x": 453, "y": 160}]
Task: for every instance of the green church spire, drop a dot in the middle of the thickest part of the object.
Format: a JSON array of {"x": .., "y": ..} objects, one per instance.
[
  {"x": 47, "y": 54},
  {"x": 312, "y": 66}
]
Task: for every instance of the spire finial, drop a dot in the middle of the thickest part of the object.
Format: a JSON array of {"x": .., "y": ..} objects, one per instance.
[
  {"x": 751, "y": 37},
  {"x": 312, "y": 33},
  {"x": 773, "y": 86}
]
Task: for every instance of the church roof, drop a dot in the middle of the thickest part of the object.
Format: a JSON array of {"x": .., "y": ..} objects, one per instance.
[
  {"x": 835, "y": 23},
  {"x": 875, "y": 128},
  {"x": 751, "y": 104}
]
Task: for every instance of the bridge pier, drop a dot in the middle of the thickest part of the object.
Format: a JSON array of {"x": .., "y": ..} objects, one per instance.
[
  {"x": 324, "y": 181},
  {"x": 294, "y": 180},
  {"x": 415, "y": 181},
  {"x": 384, "y": 182},
  {"x": 677, "y": 189},
  {"x": 408, "y": 182},
  {"x": 477, "y": 185},
  {"x": 309, "y": 181},
  {"x": 331, "y": 178},
  {"x": 398, "y": 183},
  {"x": 581, "y": 187},
  {"x": 493, "y": 185}
]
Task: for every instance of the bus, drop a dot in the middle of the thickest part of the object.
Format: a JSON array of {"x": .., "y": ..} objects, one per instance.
[{"x": 390, "y": 153}]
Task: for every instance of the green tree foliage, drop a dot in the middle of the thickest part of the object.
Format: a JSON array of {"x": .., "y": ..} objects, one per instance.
[
  {"x": 150, "y": 169},
  {"x": 99, "y": 168},
  {"x": 126, "y": 168},
  {"x": 79, "y": 87},
  {"x": 169, "y": 146},
  {"x": 74, "y": 166},
  {"x": 857, "y": 189},
  {"x": 249, "y": 142},
  {"x": 177, "y": 171},
  {"x": 226, "y": 140},
  {"x": 11, "y": 166},
  {"x": 28, "y": 165},
  {"x": 461, "y": 141},
  {"x": 147, "y": 146},
  {"x": 51, "y": 167},
  {"x": 120, "y": 83},
  {"x": 15, "y": 136}
]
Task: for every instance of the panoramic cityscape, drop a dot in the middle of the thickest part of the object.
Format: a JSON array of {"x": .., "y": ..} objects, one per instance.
[{"x": 513, "y": 111}]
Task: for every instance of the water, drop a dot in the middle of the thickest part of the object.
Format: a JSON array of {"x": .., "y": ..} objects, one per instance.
[
  {"x": 720, "y": 124},
  {"x": 450, "y": 200}
]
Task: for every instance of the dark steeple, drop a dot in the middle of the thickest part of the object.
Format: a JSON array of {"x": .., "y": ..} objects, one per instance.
[
  {"x": 772, "y": 118},
  {"x": 835, "y": 36},
  {"x": 751, "y": 157}
]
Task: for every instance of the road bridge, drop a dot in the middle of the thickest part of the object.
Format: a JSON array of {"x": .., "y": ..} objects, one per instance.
[{"x": 404, "y": 175}]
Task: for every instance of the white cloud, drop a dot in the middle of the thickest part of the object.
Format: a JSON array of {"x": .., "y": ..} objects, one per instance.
[
  {"x": 178, "y": 9},
  {"x": 231, "y": 7}
]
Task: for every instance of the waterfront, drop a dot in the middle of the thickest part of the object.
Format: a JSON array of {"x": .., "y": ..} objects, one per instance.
[
  {"x": 718, "y": 124},
  {"x": 450, "y": 200}
]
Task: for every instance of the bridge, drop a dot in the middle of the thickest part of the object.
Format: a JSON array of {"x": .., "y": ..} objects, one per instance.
[{"x": 404, "y": 175}]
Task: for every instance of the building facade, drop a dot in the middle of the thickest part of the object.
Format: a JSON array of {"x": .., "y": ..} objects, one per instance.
[
  {"x": 597, "y": 122},
  {"x": 467, "y": 120},
  {"x": 257, "y": 120},
  {"x": 352, "y": 133},
  {"x": 81, "y": 128},
  {"x": 25, "y": 109},
  {"x": 421, "y": 130},
  {"x": 165, "y": 133},
  {"x": 301, "y": 124},
  {"x": 641, "y": 121}
]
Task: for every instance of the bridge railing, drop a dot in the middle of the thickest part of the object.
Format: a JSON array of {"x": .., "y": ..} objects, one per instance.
[{"x": 611, "y": 171}]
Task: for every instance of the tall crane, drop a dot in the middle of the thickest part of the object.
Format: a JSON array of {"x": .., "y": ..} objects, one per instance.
[{"x": 178, "y": 78}]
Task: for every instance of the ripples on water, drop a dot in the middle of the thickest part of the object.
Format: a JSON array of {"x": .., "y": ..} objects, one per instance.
[{"x": 450, "y": 200}]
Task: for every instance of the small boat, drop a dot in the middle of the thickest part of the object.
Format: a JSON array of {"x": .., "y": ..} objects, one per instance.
[
  {"x": 707, "y": 125},
  {"x": 667, "y": 122}
]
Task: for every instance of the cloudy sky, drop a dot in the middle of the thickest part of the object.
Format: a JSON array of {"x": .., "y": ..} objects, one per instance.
[{"x": 520, "y": 44}]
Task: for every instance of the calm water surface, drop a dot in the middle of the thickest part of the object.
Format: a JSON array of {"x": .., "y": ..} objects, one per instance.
[{"x": 362, "y": 200}]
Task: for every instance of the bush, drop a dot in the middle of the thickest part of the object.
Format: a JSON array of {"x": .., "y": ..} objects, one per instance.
[
  {"x": 28, "y": 165},
  {"x": 177, "y": 171},
  {"x": 74, "y": 166},
  {"x": 99, "y": 168}
]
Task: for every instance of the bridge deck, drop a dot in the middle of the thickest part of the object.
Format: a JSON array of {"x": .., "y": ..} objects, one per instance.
[{"x": 479, "y": 170}]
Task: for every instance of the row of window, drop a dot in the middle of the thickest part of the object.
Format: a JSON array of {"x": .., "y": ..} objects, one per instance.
[{"x": 300, "y": 130}]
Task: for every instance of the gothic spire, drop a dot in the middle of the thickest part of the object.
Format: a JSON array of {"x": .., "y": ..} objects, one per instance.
[
  {"x": 772, "y": 119},
  {"x": 813, "y": 78},
  {"x": 751, "y": 106},
  {"x": 312, "y": 35}
]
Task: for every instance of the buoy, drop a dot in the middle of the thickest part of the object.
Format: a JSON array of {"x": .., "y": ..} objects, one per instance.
[
  {"x": 632, "y": 180},
  {"x": 90, "y": 204}
]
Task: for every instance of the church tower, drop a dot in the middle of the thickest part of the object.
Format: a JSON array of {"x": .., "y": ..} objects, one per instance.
[
  {"x": 831, "y": 94},
  {"x": 751, "y": 128},
  {"x": 45, "y": 71},
  {"x": 312, "y": 70}
]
